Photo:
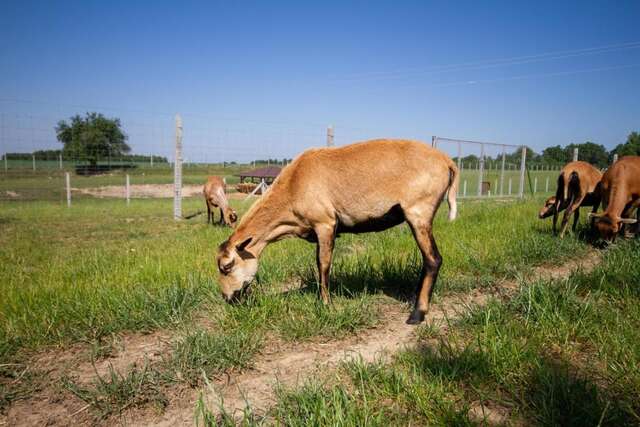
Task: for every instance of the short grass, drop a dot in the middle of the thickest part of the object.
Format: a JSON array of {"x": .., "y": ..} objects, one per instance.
[
  {"x": 115, "y": 392},
  {"x": 563, "y": 352},
  {"x": 49, "y": 183}
]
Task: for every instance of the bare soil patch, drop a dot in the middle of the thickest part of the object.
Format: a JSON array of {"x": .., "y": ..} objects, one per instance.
[{"x": 139, "y": 191}]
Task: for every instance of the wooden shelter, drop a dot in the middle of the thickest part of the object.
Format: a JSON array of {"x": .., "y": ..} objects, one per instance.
[{"x": 268, "y": 174}]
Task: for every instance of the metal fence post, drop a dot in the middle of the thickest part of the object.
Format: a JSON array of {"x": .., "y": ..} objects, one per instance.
[
  {"x": 504, "y": 155},
  {"x": 575, "y": 154},
  {"x": 68, "y": 184},
  {"x": 535, "y": 185},
  {"x": 509, "y": 186},
  {"x": 434, "y": 141},
  {"x": 480, "y": 169},
  {"x": 6, "y": 165},
  {"x": 546, "y": 186},
  {"x": 523, "y": 162},
  {"x": 33, "y": 158},
  {"x": 177, "y": 172},
  {"x": 615, "y": 158},
  {"x": 127, "y": 190},
  {"x": 60, "y": 161},
  {"x": 464, "y": 189},
  {"x": 330, "y": 136},
  {"x": 151, "y": 160}
]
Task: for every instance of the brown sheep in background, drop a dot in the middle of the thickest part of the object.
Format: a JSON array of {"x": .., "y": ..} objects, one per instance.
[
  {"x": 215, "y": 197},
  {"x": 577, "y": 187},
  {"x": 620, "y": 187}
]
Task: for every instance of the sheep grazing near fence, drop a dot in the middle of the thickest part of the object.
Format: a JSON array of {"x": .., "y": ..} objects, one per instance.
[
  {"x": 620, "y": 187},
  {"x": 215, "y": 197},
  {"x": 363, "y": 187},
  {"x": 577, "y": 187}
]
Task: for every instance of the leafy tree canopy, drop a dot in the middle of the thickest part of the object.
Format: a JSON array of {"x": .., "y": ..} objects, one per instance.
[
  {"x": 554, "y": 155},
  {"x": 589, "y": 152},
  {"x": 92, "y": 137},
  {"x": 629, "y": 148}
]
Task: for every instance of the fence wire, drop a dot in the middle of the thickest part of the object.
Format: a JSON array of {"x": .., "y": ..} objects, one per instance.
[{"x": 34, "y": 166}]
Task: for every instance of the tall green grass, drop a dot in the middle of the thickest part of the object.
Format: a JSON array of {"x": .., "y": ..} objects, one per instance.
[
  {"x": 563, "y": 352},
  {"x": 101, "y": 267}
]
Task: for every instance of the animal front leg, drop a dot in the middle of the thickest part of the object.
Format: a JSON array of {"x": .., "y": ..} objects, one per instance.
[
  {"x": 209, "y": 214},
  {"x": 594, "y": 210},
  {"x": 324, "y": 252},
  {"x": 576, "y": 216},
  {"x": 555, "y": 222},
  {"x": 573, "y": 206}
]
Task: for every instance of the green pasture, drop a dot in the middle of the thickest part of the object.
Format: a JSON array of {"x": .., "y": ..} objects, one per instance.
[
  {"x": 49, "y": 184},
  {"x": 101, "y": 267}
]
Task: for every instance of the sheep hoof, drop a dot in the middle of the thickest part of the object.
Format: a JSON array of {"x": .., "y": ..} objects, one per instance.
[{"x": 417, "y": 316}]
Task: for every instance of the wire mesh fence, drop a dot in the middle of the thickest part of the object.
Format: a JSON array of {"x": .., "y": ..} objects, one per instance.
[{"x": 35, "y": 167}]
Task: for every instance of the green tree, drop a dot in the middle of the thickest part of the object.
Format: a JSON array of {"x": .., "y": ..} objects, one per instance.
[
  {"x": 554, "y": 155},
  {"x": 516, "y": 156},
  {"x": 629, "y": 148},
  {"x": 589, "y": 152},
  {"x": 92, "y": 137}
]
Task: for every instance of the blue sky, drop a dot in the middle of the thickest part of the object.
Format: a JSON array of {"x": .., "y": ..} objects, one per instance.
[{"x": 267, "y": 77}]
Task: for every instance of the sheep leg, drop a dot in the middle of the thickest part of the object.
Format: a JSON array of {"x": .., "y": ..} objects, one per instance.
[
  {"x": 324, "y": 251},
  {"x": 573, "y": 206},
  {"x": 420, "y": 221},
  {"x": 576, "y": 216},
  {"x": 555, "y": 222}
]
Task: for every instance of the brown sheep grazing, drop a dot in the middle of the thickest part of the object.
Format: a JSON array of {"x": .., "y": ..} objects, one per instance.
[
  {"x": 215, "y": 197},
  {"x": 358, "y": 188},
  {"x": 577, "y": 187},
  {"x": 620, "y": 187}
]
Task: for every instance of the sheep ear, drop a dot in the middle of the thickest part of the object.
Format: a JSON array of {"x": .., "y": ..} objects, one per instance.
[
  {"x": 241, "y": 246},
  {"x": 628, "y": 220}
]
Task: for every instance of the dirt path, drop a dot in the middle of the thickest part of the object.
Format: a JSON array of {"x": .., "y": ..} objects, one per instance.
[
  {"x": 144, "y": 191},
  {"x": 287, "y": 365}
]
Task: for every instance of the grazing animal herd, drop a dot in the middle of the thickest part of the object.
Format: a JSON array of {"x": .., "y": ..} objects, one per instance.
[
  {"x": 399, "y": 181},
  {"x": 581, "y": 184}
]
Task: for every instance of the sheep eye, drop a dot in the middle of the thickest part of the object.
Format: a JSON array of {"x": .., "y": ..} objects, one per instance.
[{"x": 226, "y": 268}]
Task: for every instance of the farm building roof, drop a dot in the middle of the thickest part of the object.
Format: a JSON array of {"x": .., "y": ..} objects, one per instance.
[{"x": 268, "y": 172}]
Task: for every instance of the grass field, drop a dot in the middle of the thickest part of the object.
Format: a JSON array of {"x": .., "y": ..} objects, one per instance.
[
  {"x": 49, "y": 183},
  {"x": 100, "y": 270},
  {"x": 561, "y": 353}
]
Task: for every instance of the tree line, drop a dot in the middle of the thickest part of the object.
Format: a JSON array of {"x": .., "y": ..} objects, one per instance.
[
  {"x": 590, "y": 152},
  {"x": 55, "y": 155}
]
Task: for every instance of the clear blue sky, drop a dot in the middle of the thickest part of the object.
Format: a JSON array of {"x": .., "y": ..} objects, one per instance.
[{"x": 278, "y": 72}]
